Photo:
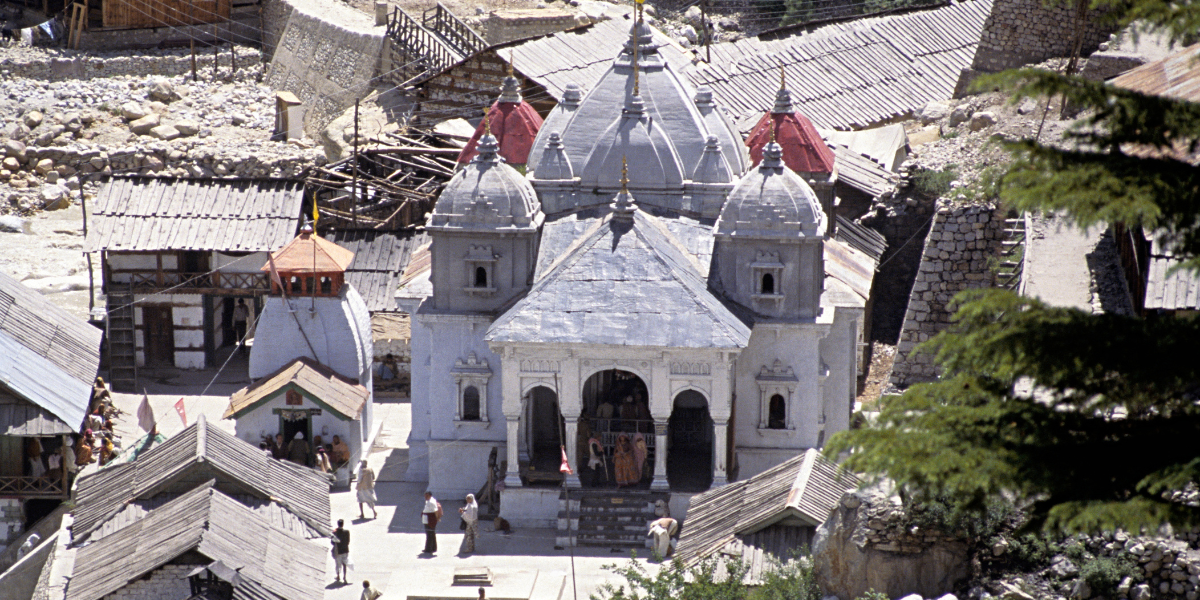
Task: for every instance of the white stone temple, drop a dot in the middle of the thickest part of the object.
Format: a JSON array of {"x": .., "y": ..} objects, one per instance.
[{"x": 642, "y": 279}]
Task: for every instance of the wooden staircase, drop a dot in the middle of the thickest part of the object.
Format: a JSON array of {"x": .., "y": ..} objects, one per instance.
[
  {"x": 617, "y": 519},
  {"x": 427, "y": 47},
  {"x": 122, "y": 342}
]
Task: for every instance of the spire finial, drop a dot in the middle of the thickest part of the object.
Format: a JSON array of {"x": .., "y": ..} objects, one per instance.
[
  {"x": 624, "y": 175},
  {"x": 782, "y": 77},
  {"x": 487, "y": 123},
  {"x": 511, "y": 58},
  {"x": 623, "y": 206},
  {"x": 772, "y": 124}
]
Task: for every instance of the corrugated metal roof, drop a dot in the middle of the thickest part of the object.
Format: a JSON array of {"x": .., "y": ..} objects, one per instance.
[
  {"x": 582, "y": 55},
  {"x": 1167, "y": 290},
  {"x": 806, "y": 487},
  {"x": 1176, "y": 76},
  {"x": 623, "y": 283},
  {"x": 47, "y": 356},
  {"x": 379, "y": 259},
  {"x": 163, "y": 213},
  {"x": 340, "y": 394},
  {"x": 197, "y": 454},
  {"x": 862, "y": 238},
  {"x": 852, "y": 74},
  {"x": 217, "y": 527}
]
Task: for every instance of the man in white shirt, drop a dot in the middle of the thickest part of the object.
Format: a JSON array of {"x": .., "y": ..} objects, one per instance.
[{"x": 430, "y": 514}]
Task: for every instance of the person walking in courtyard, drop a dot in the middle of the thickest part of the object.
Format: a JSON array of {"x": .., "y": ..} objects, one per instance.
[
  {"x": 241, "y": 314},
  {"x": 341, "y": 552},
  {"x": 369, "y": 593},
  {"x": 365, "y": 488},
  {"x": 430, "y": 515},
  {"x": 470, "y": 517}
]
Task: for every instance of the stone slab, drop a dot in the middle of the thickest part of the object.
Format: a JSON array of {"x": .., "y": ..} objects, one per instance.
[{"x": 507, "y": 584}]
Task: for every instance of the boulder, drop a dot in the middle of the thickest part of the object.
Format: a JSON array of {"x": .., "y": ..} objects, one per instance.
[
  {"x": 1063, "y": 568},
  {"x": 163, "y": 91},
  {"x": 155, "y": 106},
  {"x": 133, "y": 111},
  {"x": 689, "y": 33},
  {"x": 44, "y": 166},
  {"x": 1027, "y": 106},
  {"x": 14, "y": 149},
  {"x": 847, "y": 565},
  {"x": 960, "y": 115},
  {"x": 187, "y": 128},
  {"x": 54, "y": 197},
  {"x": 13, "y": 224},
  {"x": 32, "y": 119},
  {"x": 165, "y": 132},
  {"x": 238, "y": 119},
  {"x": 934, "y": 112},
  {"x": 11, "y": 164},
  {"x": 143, "y": 125},
  {"x": 692, "y": 16},
  {"x": 982, "y": 120}
]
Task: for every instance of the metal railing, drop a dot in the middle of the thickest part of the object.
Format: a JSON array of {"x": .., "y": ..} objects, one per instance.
[
  {"x": 454, "y": 31},
  {"x": 423, "y": 53}
]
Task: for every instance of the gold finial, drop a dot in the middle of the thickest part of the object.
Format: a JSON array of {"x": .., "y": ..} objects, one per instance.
[
  {"x": 624, "y": 175},
  {"x": 487, "y": 123},
  {"x": 782, "y": 78},
  {"x": 772, "y": 124},
  {"x": 511, "y": 58}
]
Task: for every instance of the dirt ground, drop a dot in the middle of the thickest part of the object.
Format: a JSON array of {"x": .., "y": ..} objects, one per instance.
[
  {"x": 878, "y": 373},
  {"x": 50, "y": 259}
]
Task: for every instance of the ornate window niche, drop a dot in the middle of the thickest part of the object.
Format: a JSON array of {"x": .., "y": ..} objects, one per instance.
[
  {"x": 480, "y": 272},
  {"x": 471, "y": 377},
  {"x": 776, "y": 391},
  {"x": 766, "y": 273}
]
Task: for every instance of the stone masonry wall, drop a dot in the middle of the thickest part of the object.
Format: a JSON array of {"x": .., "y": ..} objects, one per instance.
[
  {"x": 77, "y": 67},
  {"x": 960, "y": 243},
  {"x": 12, "y": 521},
  {"x": 168, "y": 582},
  {"x": 1019, "y": 32}
]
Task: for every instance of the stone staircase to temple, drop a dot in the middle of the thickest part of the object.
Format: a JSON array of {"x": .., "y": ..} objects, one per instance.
[{"x": 616, "y": 519}]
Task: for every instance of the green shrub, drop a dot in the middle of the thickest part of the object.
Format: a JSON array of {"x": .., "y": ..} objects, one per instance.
[
  {"x": 1104, "y": 574},
  {"x": 1031, "y": 551},
  {"x": 873, "y": 595},
  {"x": 793, "y": 580},
  {"x": 935, "y": 184}
]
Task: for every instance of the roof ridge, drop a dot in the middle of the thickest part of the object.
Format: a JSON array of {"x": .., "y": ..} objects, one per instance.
[{"x": 801, "y": 482}]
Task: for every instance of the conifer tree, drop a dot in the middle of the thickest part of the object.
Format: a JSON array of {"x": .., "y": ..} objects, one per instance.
[{"x": 1091, "y": 421}]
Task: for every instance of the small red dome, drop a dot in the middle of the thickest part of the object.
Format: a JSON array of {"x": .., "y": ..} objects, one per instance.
[
  {"x": 515, "y": 125},
  {"x": 803, "y": 149}
]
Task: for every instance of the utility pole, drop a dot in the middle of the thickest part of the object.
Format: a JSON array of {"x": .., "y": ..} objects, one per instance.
[
  {"x": 354, "y": 194},
  {"x": 704, "y": 26},
  {"x": 192, "y": 26}
]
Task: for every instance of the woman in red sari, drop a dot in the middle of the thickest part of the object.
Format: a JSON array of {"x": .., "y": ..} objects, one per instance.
[{"x": 625, "y": 462}]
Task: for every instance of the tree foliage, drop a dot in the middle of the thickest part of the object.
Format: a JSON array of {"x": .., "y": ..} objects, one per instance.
[
  {"x": 1090, "y": 420},
  {"x": 711, "y": 580}
]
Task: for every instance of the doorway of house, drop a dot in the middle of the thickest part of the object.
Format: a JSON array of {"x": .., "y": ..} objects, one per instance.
[
  {"x": 159, "y": 333},
  {"x": 615, "y": 404},
  {"x": 690, "y": 439},
  {"x": 543, "y": 436},
  {"x": 290, "y": 427}
]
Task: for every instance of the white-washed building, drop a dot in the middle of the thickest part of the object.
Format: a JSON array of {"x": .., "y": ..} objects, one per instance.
[{"x": 643, "y": 279}]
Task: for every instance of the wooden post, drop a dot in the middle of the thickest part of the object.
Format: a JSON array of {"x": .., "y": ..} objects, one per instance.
[
  {"x": 63, "y": 456},
  {"x": 192, "y": 25},
  {"x": 354, "y": 194},
  {"x": 233, "y": 57},
  {"x": 704, "y": 26}
]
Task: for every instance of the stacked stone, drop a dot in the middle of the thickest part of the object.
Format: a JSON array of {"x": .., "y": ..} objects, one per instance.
[
  {"x": 1019, "y": 32},
  {"x": 12, "y": 521},
  {"x": 46, "y": 66},
  {"x": 889, "y": 528},
  {"x": 168, "y": 582},
  {"x": 960, "y": 243}
]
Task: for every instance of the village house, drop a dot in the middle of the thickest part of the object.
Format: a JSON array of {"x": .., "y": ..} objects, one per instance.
[
  {"x": 178, "y": 255},
  {"x": 48, "y": 361},
  {"x": 643, "y": 284}
]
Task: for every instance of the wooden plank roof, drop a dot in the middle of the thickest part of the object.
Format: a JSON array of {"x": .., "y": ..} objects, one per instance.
[
  {"x": 1176, "y": 76},
  {"x": 805, "y": 488},
  {"x": 340, "y": 394},
  {"x": 1169, "y": 288},
  {"x": 47, "y": 356},
  {"x": 849, "y": 75},
  {"x": 166, "y": 213},
  {"x": 379, "y": 259},
  {"x": 197, "y": 454},
  {"x": 309, "y": 253},
  {"x": 19, "y": 417},
  {"x": 214, "y": 525}
]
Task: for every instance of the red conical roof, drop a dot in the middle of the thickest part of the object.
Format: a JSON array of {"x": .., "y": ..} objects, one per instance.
[
  {"x": 803, "y": 149},
  {"x": 515, "y": 125}
]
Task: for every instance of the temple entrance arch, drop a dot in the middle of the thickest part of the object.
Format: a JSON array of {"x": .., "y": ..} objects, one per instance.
[
  {"x": 690, "y": 443},
  {"x": 542, "y": 436},
  {"x": 615, "y": 403}
]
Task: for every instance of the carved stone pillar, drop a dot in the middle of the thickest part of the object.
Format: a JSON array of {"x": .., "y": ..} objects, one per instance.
[
  {"x": 572, "y": 450},
  {"x": 720, "y": 436},
  {"x": 512, "y": 478},
  {"x": 660, "y": 456}
]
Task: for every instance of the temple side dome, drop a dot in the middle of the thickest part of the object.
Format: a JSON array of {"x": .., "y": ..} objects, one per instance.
[
  {"x": 487, "y": 195},
  {"x": 772, "y": 201},
  {"x": 638, "y": 138},
  {"x": 804, "y": 151}
]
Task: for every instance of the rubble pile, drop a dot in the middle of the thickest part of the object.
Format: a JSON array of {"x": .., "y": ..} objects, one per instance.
[{"x": 60, "y": 136}]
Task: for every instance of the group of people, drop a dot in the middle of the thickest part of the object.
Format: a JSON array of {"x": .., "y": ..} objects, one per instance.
[
  {"x": 51, "y": 458},
  {"x": 326, "y": 458}
]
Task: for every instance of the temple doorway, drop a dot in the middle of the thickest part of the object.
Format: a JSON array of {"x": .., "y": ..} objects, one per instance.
[
  {"x": 690, "y": 444},
  {"x": 616, "y": 432},
  {"x": 543, "y": 437}
]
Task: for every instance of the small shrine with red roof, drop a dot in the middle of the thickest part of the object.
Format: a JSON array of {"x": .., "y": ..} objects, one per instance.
[{"x": 514, "y": 123}]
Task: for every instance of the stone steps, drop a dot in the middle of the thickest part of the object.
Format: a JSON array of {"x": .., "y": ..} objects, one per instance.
[{"x": 607, "y": 518}]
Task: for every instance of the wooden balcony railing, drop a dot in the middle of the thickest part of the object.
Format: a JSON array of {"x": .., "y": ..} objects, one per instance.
[
  {"x": 157, "y": 281},
  {"x": 31, "y": 487}
]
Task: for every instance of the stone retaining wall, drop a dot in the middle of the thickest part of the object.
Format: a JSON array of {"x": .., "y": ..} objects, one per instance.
[
  {"x": 1020, "y": 32},
  {"x": 960, "y": 243},
  {"x": 12, "y": 521},
  {"x": 76, "y": 67}
]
